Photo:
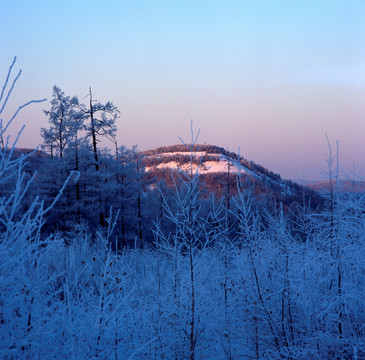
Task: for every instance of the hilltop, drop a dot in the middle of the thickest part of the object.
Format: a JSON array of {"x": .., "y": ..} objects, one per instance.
[{"x": 222, "y": 172}]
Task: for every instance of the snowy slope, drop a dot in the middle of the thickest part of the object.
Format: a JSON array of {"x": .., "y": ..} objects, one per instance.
[
  {"x": 207, "y": 161},
  {"x": 215, "y": 166},
  {"x": 205, "y": 167}
]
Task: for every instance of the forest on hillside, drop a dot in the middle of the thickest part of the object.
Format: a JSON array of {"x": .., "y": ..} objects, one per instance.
[{"x": 100, "y": 262}]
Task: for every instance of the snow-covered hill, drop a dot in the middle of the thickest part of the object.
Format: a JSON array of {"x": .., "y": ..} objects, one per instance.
[
  {"x": 206, "y": 158},
  {"x": 219, "y": 168}
]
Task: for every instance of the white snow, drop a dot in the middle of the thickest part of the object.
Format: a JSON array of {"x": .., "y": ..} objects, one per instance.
[{"x": 207, "y": 167}]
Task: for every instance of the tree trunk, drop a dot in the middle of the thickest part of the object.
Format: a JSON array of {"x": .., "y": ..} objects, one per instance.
[
  {"x": 96, "y": 158},
  {"x": 93, "y": 133},
  {"x": 192, "y": 322},
  {"x": 77, "y": 168}
]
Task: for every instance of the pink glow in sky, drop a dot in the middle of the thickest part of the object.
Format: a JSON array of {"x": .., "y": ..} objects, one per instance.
[{"x": 267, "y": 77}]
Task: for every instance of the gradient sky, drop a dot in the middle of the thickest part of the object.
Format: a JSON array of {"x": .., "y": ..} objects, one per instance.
[{"x": 268, "y": 77}]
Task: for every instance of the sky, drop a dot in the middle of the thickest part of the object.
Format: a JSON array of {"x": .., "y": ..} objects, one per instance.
[{"x": 265, "y": 78}]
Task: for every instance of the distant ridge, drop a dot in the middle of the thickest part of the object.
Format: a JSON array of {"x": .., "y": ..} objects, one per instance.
[
  {"x": 34, "y": 157},
  {"x": 349, "y": 186}
]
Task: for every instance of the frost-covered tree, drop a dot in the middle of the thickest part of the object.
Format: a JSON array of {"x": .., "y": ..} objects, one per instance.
[
  {"x": 65, "y": 122},
  {"x": 24, "y": 276},
  {"x": 187, "y": 245},
  {"x": 101, "y": 123}
]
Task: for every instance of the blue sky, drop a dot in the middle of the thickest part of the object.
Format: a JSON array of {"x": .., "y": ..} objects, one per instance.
[{"x": 267, "y": 77}]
